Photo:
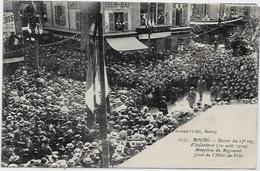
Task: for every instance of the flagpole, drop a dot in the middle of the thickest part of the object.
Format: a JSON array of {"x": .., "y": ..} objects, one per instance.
[
  {"x": 87, "y": 47},
  {"x": 36, "y": 40},
  {"x": 102, "y": 108},
  {"x": 149, "y": 27}
]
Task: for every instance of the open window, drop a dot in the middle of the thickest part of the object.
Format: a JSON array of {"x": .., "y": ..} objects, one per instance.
[{"x": 118, "y": 21}]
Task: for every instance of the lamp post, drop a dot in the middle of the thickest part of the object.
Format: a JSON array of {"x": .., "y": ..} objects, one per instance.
[
  {"x": 34, "y": 22},
  {"x": 149, "y": 26}
]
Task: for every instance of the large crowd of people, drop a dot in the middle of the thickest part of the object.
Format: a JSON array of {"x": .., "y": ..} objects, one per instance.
[
  {"x": 65, "y": 62},
  {"x": 44, "y": 115},
  {"x": 44, "y": 122},
  {"x": 173, "y": 77}
]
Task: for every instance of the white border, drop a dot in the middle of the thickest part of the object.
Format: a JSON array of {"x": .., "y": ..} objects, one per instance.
[{"x": 170, "y": 1}]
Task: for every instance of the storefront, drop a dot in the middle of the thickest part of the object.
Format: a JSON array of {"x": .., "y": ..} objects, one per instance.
[
  {"x": 179, "y": 37},
  {"x": 157, "y": 36},
  {"x": 117, "y": 45}
]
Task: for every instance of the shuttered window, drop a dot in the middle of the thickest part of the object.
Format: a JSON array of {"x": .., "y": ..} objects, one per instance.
[
  {"x": 60, "y": 15},
  {"x": 118, "y": 21}
]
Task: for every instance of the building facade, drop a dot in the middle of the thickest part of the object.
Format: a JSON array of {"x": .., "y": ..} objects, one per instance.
[
  {"x": 212, "y": 12},
  {"x": 167, "y": 21},
  {"x": 159, "y": 25},
  {"x": 63, "y": 15},
  {"x": 242, "y": 9}
]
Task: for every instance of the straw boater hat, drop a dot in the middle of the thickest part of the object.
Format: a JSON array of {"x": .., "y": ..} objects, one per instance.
[
  {"x": 77, "y": 150},
  {"x": 71, "y": 162},
  {"x": 69, "y": 146},
  {"x": 87, "y": 160},
  {"x": 12, "y": 165},
  {"x": 94, "y": 144}
]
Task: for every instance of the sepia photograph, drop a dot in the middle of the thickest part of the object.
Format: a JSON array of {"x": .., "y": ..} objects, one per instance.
[{"x": 121, "y": 84}]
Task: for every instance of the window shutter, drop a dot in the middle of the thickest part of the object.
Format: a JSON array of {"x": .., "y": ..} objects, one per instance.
[
  {"x": 63, "y": 16},
  {"x": 111, "y": 22},
  {"x": 78, "y": 18},
  {"x": 126, "y": 20},
  {"x": 184, "y": 14},
  {"x": 174, "y": 15},
  {"x": 56, "y": 14}
]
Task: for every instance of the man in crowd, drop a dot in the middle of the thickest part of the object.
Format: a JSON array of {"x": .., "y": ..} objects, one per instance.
[
  {"x": 191, "y": 97},
  {"x": 163, "y": 106},
  {"x": 201, "y": 86},
  {"x": 214, "y": 92}
]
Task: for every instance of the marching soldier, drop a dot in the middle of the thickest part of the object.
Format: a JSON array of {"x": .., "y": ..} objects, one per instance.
[
  {"x": 201, "y": 86},
  {"x": 191, "y": 97}
]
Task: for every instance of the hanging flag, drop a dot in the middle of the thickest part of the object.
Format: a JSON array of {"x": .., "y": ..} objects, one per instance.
[
  {"x": 152, "y": 23},
  {"x": 149, "y": 23},
  {"x": 97, "y": 82},
  {"x": 92, "y": 29},
  {"x": 98, "y": 85},
  {"x": 224, "y": 15},
  {"x": 107, "y": 89},
  {"x": 89, "y": 96},
  {"x": 27, "y": 28}
]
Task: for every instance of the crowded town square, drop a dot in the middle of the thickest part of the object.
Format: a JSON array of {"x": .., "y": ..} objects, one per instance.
[{"x": 47, "y": 117}]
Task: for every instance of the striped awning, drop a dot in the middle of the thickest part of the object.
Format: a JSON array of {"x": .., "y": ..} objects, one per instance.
[{"x": 126, "y": 44}]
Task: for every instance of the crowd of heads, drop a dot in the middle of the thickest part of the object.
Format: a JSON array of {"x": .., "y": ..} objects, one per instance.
[
  {"x": 44, "y": 122},
  {"x": 173, "y": 76},
  {"x": 65, "y": 62}
]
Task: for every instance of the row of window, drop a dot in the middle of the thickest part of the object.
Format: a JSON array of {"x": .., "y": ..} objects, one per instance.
[
  {"x": 60, "y": 18},
  {"x": 150, "y": 14}
]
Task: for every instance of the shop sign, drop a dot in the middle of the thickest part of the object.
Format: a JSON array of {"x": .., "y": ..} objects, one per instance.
[
  {"x": 9, "y": 24},
  {"x": 154, "y": 35},
  {"x": 74, "y": 5}
]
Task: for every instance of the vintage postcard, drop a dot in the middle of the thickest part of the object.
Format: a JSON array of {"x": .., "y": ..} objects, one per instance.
[{"x": 120, "y": 84}]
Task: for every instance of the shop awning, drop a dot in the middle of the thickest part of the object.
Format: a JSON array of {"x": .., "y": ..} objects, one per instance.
[
  {"x": 13, "y": 60},
  {"x": 125, "y": 44}
]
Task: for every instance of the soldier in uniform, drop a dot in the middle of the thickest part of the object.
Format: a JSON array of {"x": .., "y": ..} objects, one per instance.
[
  {"x": 163, "y": 106},
  {"x": 214, "y": 91},
  {"x": 191, "y": 97},
  {"x": 201, "y": 86}
]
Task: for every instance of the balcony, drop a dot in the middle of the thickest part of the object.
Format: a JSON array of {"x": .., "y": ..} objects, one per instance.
[
  {"x": 181, "y": 30},
  {"x": 155, "y": 29},
  {"x": 120, "y": 34}
]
